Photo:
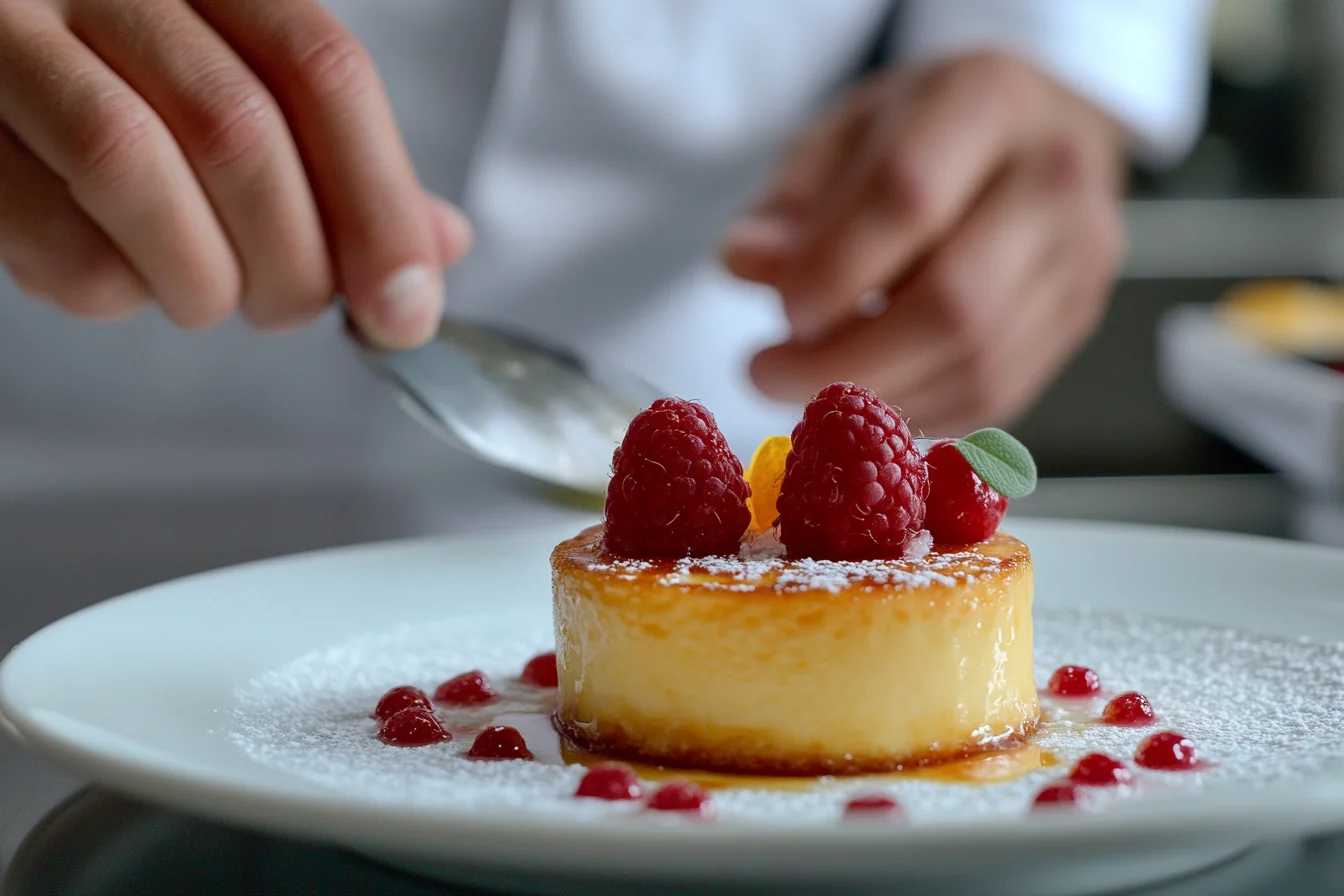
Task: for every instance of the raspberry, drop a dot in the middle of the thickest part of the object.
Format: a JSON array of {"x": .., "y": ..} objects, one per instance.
[
  {"x": 854, "y": 483},
  {"x": 962, "y": 509},
  {"x": 676, "y": 489}
]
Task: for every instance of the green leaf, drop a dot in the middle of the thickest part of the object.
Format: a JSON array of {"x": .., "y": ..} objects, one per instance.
[{"x": 1001, "y": 461}]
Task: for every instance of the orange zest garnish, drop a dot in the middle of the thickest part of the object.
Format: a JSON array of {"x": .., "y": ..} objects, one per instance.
[{"x": 765, "y": 474}]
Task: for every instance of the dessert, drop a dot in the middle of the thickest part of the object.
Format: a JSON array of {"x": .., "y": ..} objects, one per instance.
[
  {"x": 837, "y": 641},
  {"x": 774, "y": 666}
]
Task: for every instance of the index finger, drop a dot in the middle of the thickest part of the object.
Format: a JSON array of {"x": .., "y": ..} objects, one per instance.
[
  {"x": 373, "y": 207},
  {"x": 914, "y": 178}
]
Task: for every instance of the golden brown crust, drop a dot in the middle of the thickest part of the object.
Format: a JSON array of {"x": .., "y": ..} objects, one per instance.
[
  {"x": 613, "y": 741},
  {"x": 946, "y": 566},
  {"x": 738, "y": 664}
]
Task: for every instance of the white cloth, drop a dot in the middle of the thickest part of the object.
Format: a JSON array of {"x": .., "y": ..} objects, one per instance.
[
  {"x": 600, "y": 146},
  {"x": 1144, "y": 61}
]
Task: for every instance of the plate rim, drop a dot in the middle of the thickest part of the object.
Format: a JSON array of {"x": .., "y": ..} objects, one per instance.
[{"x": 1298, "y": 806}]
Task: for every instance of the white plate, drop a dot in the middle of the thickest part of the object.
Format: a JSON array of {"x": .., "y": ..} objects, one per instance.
[{"x": 142, "y": 693}]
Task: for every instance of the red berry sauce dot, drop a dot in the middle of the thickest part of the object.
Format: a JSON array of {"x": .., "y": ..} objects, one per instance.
[
  {"x": 682, "y": 796},
  {"x": 1100, "y": 770},
  {"x": 1074, "y": 681},
  {"x": 872, "y": 806},
  {"x": 397, "y": 699},
  {"x": 610, "y": 781},
  {"x": 414, "y": 726},
  {"x": 1060, "y": 795},
  {"x": 499, "y": 742},
  {"x": 1166, "y": 751},
  {"x": 468, "y": 689},
  {"x": 540, "y": 672},
  {"x": 1130, "y": 709}
]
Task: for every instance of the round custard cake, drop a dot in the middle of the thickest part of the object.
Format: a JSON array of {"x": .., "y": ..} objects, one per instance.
[{"x": 759, "y": 664}]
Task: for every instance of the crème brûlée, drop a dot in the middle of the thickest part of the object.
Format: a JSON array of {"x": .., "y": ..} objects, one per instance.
[{"x": 760, "y": 664}]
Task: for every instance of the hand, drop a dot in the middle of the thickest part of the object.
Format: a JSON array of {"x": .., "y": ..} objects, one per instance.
[
  {"x": 211, "y": 156},
  {"x": 946, "y": 237}
]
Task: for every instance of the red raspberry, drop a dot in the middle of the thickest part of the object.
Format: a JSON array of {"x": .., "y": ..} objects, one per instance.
[
  {"x": 962, "y": 509},
  {"x": 854, "y": 484},
  {"x": 676, "y": 489}
]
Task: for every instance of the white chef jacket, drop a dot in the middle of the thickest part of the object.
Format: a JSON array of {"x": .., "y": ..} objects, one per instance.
[{"x": 600, "y": 148}]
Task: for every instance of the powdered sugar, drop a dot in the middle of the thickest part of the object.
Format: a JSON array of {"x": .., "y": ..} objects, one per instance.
[
  {"x": 761, "y": 564},
  {"x": 1259, "y": 709}
]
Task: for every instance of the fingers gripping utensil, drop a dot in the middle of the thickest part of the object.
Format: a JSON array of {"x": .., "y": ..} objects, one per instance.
[{"x": 515, "y": 402}]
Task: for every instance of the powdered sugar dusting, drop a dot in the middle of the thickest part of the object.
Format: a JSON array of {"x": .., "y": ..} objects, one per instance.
[
  {"x": 761, "y": 564},
  {"x": 919, "y": 546},
  {"x": 1259, "y": 709}
]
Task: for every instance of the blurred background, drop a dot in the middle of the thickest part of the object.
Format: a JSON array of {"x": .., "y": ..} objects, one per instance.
[{"x": 1259, "y": 197}]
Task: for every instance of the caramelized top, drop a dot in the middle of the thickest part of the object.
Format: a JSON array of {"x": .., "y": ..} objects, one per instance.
[{"x": 761, "y": 566}]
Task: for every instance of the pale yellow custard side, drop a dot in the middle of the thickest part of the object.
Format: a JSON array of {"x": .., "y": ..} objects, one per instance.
[{"x": 788, "y": 667}]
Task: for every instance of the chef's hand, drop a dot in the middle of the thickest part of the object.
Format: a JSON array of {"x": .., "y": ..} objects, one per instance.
[
  {"x": 947, "y": 237},
  {"x": 211, "y": 156}
]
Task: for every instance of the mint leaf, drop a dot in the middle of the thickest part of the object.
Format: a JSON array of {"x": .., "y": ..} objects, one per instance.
[{"x": 1001, "y": 461}]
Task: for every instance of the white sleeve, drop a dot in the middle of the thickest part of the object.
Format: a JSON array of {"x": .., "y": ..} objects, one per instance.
[{"x": 1143, "y": 61}]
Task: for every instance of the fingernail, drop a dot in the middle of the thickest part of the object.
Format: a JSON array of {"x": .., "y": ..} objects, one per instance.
[{"x": 412, "y": 303}]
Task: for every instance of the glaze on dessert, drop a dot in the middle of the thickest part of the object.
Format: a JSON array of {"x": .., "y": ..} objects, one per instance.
[
  {"x": 840, "y": 640},
  {"x": 782, "y": 667}
]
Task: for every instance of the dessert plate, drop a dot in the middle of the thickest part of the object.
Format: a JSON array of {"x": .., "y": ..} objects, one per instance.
[{"x": 242, "y": 695}]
